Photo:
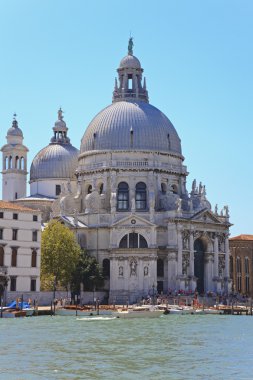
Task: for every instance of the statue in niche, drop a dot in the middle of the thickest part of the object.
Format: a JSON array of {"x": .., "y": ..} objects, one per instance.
[
  {"x": 216, "y": 209},
  {"x": 133, "y": 267},
  {"x": 179, "y": 204},
  {"x": 146, "y": 271},
  {"x": 121, "y": 271},
  {"x": 68, "y": 186}
]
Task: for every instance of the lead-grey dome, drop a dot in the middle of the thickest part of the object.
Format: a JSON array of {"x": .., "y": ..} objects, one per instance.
[
  {"x": 133, "y": 125},
  {"x": 130, "y": 61},
  {"x": 54, "y": 161},
  {"x": 15, "y": 130}
]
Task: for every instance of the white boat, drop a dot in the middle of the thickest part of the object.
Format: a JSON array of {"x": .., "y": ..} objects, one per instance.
[
  {"x": 179, "y": 310},
  {"x": 80, "y": 312},
  {"x": 139, "y": 312}
]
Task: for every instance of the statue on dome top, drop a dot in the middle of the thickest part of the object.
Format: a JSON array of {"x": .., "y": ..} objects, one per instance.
[
  {"x": 130, "y": 46},
  {"x": 60, "y": 112}
]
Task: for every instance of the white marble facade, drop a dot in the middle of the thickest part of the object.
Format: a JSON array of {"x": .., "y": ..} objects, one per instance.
[{"x": 128, "y": 202}]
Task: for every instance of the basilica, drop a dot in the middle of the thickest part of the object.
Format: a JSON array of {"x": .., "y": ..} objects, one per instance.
[{"x": 124, "y": 195}]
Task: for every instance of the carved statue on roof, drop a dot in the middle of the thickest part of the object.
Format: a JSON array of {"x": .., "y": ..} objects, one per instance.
[
  {"x": 60, "y": 116},
  {"x": 130, "y": 46}
]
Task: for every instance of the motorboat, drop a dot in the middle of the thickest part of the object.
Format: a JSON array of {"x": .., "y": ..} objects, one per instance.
[
  {"x": 174, "y": 309},
  {"x": 85, "y": 311},
  {"x": 145, "y": 311}
]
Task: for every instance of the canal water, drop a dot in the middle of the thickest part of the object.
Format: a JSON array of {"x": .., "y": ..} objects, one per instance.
[{"x": 171, "y": 347}]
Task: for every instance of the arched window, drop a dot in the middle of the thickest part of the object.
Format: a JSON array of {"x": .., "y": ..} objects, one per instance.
[
  {"x": 14, "y": 255},
  {"x": 22, "y": 163},
  {"x": 239, "y": 274},
  {"x": 123, "y": 197},
  {"x": 1, "y": 257},
  {"x": 89, "y": 190},
  {"x": 140, "y": 196},
  {"x": 34, "y": 259},
  {"x": 106, "y": 268},
  {"x": 6, "y": 163},
  {"x": 174, "y": 189},
  {"x": 17, "y": 162},
  {"x": 133, "y": 240},
  {"x": 160, "y": 268},
  {"x": 101, "y": 188},
  {"x": 10, "y": 162}
]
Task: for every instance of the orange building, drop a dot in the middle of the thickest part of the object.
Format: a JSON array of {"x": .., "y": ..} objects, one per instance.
[{"x": 241, "y": 263}]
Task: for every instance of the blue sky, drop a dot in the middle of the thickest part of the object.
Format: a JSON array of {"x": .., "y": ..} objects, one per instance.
[{"x": 197, "y": 58}]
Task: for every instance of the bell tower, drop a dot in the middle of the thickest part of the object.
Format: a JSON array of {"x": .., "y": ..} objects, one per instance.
[{"x": 14, "y": 164}]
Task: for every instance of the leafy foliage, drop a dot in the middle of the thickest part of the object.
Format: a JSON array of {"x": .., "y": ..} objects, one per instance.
[
  {"x": 87, "y": 272},
  {"x": 60, "y": 254}
]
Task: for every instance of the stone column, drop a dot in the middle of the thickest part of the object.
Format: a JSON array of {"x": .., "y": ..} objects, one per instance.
[
  {"x": 172, "y": 270},
  {"x": 179, "y": 251},
  {"x": 191, "y": 269},
  {"x": 216, "y": 256}
]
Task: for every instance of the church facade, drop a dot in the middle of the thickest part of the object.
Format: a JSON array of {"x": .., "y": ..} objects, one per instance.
[{"x": 125, "y": 196}]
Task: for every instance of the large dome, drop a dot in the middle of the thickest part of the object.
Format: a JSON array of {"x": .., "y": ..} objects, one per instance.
[
  {"x": 134, "y": 125},
  {"x": 54, "y": 161}
]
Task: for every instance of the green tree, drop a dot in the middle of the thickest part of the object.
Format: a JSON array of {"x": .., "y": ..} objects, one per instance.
[
  {"x": 87, "y": 272},
  {"x": 60, "y": 254}
]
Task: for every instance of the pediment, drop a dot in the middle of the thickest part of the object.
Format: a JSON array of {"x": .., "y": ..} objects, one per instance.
[
  {"x": 205, "y": 216},
  {"x": 133, "y": 221}
]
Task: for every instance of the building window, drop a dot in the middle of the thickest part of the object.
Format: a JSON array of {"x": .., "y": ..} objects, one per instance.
[
  {"x": 33, "y": 285},
  {"x": 106, "y": 268},
  {"x": 35, "y": 218},
  {"x": 34, "y": 259},
  {"x": 1, "y": 234},
  {"x": 14, "y": 234},
  {"x": 14, "y": 254},
  {"x": 1, "y": 257},
  {"x": 16, "y": 195},
  {"x": 141, "y": 196},
  {"x": 239, "y": 274},
  {"x": 247, "y": 275},
  {"x": 15, "y": 216},
  {"x": 13, "y": 284},
  {"x": 101, "y": 188},
  {"x": 89, "y": 190},
  {"x": 163, "y": 188},
  {"x": 133, "y": 240},
  {"x": 1, "y": 215},
  {"x": 35, "y": 235},
  {"x": 57, "y": 189},
  {"x": 123, "y": 197}
]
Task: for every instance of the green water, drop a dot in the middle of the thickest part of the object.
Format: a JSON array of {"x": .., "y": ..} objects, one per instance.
[{"x": 170, "y": 347}]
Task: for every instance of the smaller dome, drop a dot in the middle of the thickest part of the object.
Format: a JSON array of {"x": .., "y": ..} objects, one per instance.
[
  {"x": 130, "y": 61},
  {"x": 54, "y": 161},
  {"x": 15, "y": 130},
  {"x": 60, "y": 125}
]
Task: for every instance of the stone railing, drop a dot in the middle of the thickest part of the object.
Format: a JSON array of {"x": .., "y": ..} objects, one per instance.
[{"x": 135, "y": 164}]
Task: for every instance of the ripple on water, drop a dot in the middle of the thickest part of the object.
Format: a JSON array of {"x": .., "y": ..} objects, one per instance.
[{"x": 170, "y": 347}]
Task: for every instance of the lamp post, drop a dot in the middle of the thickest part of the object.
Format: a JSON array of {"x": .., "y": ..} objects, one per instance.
[{"x": 153, "y": 288}]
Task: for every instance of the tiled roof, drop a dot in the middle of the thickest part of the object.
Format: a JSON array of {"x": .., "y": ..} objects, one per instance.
[
  {"x": 242, "y": 237},
  {"x": 13, "y": 206}
]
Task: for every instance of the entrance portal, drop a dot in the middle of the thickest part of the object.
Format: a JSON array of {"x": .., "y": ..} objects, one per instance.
[{"x": 199, "y": 253}]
